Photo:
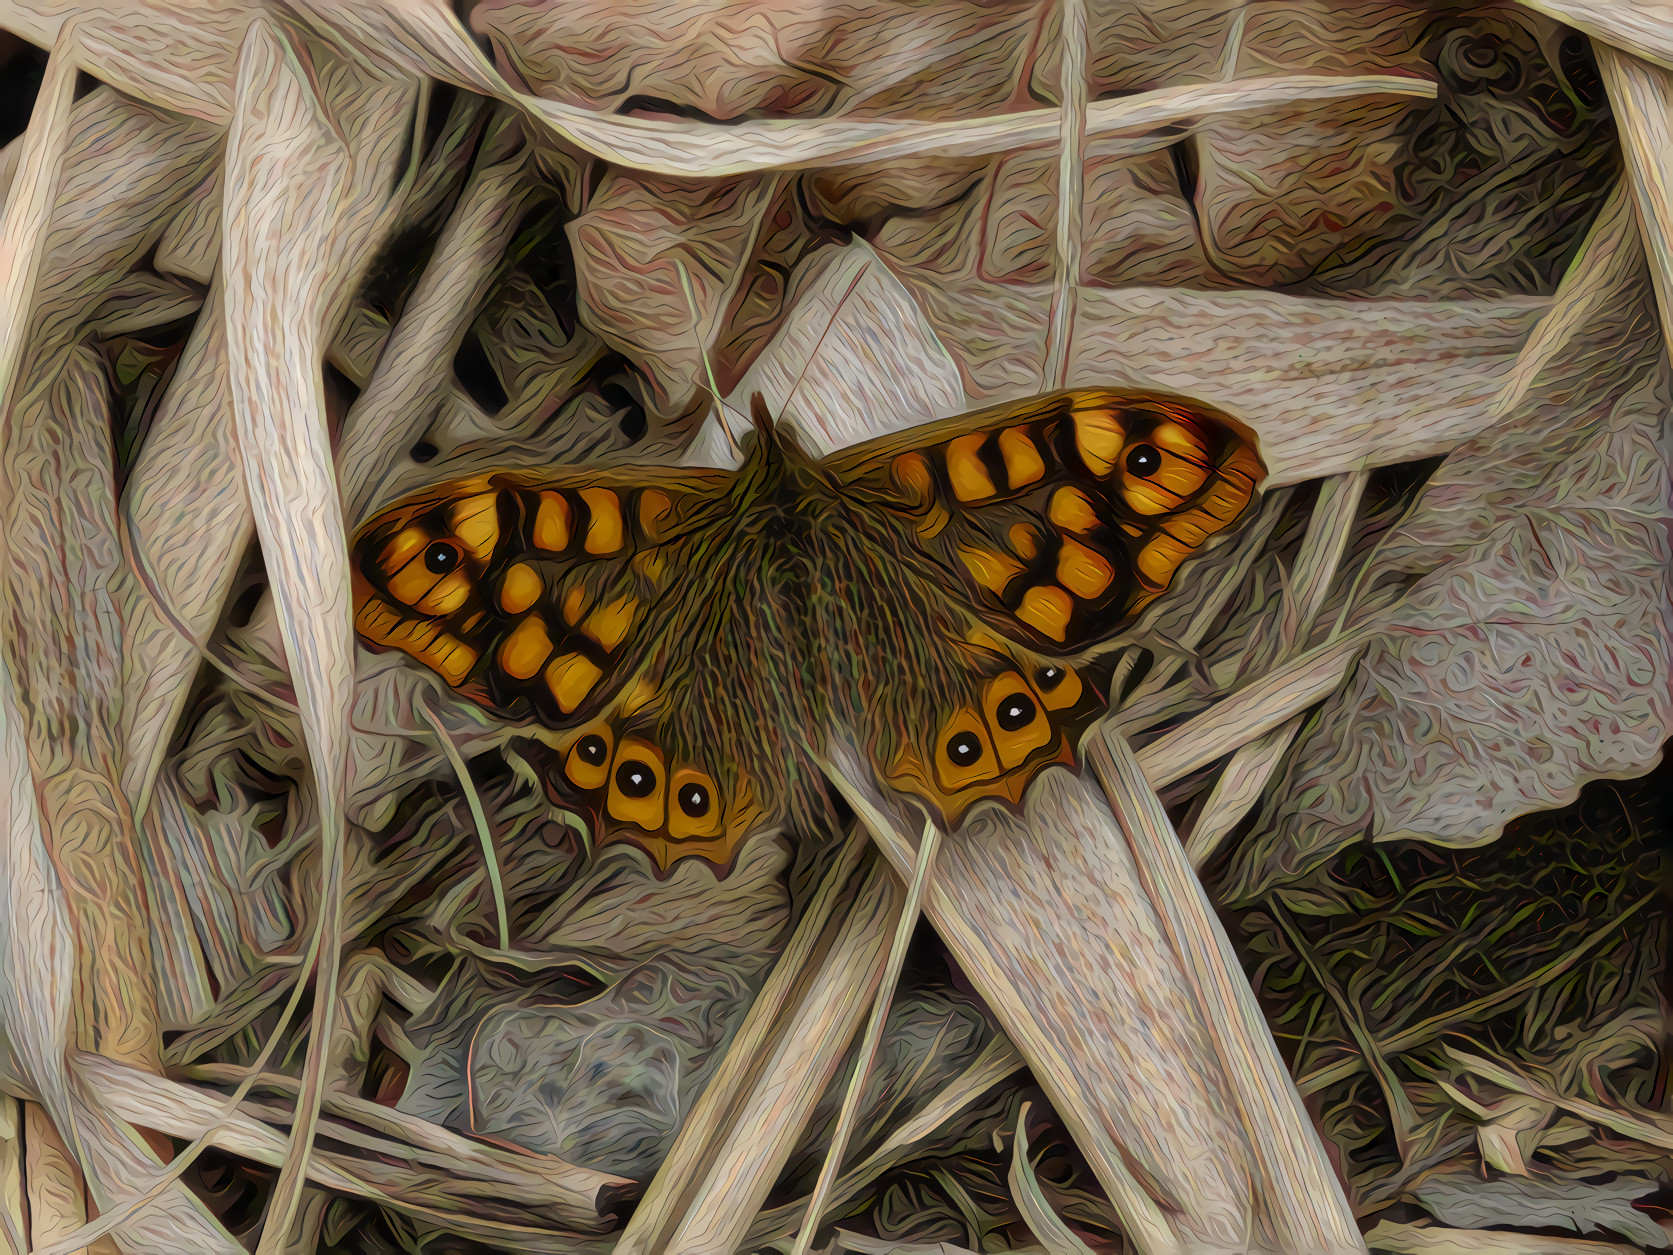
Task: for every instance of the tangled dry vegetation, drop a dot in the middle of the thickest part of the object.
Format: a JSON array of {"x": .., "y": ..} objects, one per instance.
[{"x": 299, "y": 954}]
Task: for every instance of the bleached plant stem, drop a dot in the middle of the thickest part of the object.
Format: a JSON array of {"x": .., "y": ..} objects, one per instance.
[
  {"x": 1299, "y": 1201},
  {"x": 904, "y": 928},
  {"x": 1245, "y": 776},
  {"x": 1071, "y": 181}
]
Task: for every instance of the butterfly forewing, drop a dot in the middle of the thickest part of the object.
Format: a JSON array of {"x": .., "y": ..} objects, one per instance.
[
  {"x": 523, "y": 590},
  {"x": 1066, "y": 514}
]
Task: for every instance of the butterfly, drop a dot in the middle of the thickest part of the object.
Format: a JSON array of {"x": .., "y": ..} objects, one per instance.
[{"x": 683, "y": 635}]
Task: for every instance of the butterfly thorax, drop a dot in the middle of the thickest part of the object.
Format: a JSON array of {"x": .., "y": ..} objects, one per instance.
[{"x": 803, "y": 607}]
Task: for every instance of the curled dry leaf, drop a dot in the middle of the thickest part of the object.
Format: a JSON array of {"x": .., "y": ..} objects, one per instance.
[
  {"x": 1530, "y": 650},
  {"x": 632, "y": 242}
]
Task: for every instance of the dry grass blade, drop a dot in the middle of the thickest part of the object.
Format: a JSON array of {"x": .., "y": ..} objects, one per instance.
[
  {"x": 1423, "y": 1239},
  {"x": 56, "y": 1192},
  {"x": 1241, "y": 784},
  {"x": 1597, "y": 272},
  {"x": 34, "y": 927},
  {"x": 180, "y": 58},
  {"x": 1647, "y": 1129},
  {"x": 669, "y": 147},
  {"x": 415, "y": 364},
  {"x": 922, "y": 869},
  {"x": 13, "y": 1220},
  {"x": 186, "y": 1112},
  {"x": 188, "y": 525},
  {"x": 29, "y": 204},
  {"x": 1008, "y": 907},
  {"x": 583, "y": 1192},
  {"x": 1299, "y": 1200},
  {"x": 1641, "y": 27},
  {"x": 1250, "y": 711},
  {"x": 1328, "y": 532},
  {"x": 998, "y": 1061},
  {"x": 1073, "y": 90},
  {"x": 1056, "y": 1236},
  {"x": 1432, "y": 1027},
  {"x": 670, "y": 1194},
  {"x": 1245, "y": 776},
  {"x": 484, "y": 832},
  {"x": 299, "y": 205},
  {"x": 805, "y": 1055},
  {"x": 1642, "y": 96},
  {"x": 428, "y": 39}
]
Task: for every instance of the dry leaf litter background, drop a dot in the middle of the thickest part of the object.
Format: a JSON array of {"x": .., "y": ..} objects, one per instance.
[{"x": 1421, "y": 250}]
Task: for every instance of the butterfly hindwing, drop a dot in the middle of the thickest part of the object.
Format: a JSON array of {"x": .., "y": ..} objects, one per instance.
[
  {"x": 1065, "y": 514},
  {"x": 527, "y": 593},
  {"x": 618, "y": 767}
]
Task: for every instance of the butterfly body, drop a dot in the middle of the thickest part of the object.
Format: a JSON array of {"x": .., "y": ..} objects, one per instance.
[{"x": 689, "y": 635}]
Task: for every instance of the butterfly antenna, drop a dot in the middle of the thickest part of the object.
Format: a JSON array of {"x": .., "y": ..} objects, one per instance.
[{"x": 703, "y": 352}]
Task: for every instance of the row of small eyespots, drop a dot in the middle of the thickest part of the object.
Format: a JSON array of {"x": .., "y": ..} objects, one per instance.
[
  {"x": 977, "y": 746},
  {"x": 637, "y": 784}
]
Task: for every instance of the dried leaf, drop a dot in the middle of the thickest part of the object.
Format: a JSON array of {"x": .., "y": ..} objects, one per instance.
[
  {"x": 288, "y": 272},
  {"x": 1585, "y": 1207},
  {"x": 632, "y": 240},
  {"x": 414, "y": 364},
  {"x": 180, "y": 56},
  {"x": 1530, "y": 652},
  {"x": 852, "y": 359}
]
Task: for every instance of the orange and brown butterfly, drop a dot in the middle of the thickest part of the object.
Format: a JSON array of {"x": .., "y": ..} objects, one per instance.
[{"x": 683, "y": 633}]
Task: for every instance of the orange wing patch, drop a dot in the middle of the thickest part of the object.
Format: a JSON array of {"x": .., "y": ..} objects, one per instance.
[{"x": 1099, "y": 496}]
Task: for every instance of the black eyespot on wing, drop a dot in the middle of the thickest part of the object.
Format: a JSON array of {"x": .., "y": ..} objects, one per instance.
[
  {"x": 1143, "y": 460},
  {"x": 592, "y": 750},
  {"x": 1015, "y": 712},
  {"x": 636, "y": 779},
  {"x": 441, "y": 557},
  {"x": 964, "y": 750},
  {"x": 694, "y": 800}
]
